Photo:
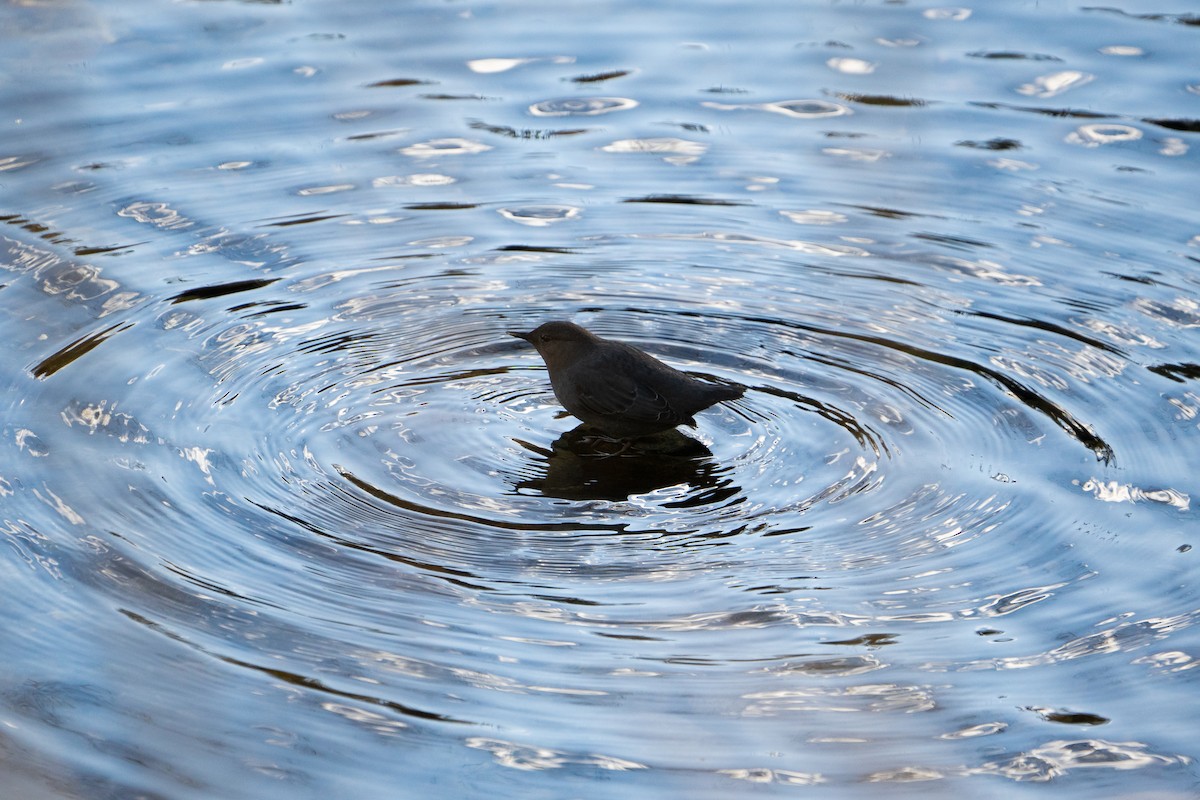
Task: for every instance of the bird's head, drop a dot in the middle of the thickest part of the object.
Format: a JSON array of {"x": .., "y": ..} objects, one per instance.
[{"x": 558, "y": 342}]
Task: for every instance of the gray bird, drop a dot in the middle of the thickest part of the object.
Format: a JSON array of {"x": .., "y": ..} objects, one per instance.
[{"x": 617, "y": 388}]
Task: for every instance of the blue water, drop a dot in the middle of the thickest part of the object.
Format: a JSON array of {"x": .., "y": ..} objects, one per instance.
[{"x": 287, "y": 514}]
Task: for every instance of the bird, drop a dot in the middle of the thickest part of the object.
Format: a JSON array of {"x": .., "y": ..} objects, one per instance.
[{"x": 615, "y": 387}]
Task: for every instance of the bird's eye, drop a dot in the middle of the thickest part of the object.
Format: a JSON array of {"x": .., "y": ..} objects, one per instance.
[{"x": 545, "y": 337}]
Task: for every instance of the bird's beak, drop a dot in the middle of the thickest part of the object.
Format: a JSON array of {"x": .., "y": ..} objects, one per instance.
[{"x": 519, "y": 335}]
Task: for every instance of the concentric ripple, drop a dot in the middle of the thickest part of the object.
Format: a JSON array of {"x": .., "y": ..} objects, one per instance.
[
  {"x": 430, "y": 435},
  {"x": 581, "y": 106}
]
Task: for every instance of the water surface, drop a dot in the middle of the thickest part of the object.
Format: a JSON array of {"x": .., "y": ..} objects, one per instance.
[{"x": 287, "y": 514}]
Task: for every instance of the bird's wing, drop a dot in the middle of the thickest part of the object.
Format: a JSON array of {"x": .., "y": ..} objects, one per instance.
[{"x": 620, "y": 396}]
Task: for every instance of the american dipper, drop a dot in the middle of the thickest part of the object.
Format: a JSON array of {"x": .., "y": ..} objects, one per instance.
[{"x": 617, "y": 388}]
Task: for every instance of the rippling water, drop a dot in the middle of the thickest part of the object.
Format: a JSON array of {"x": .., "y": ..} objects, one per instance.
[{"x": 287, "y": 514}]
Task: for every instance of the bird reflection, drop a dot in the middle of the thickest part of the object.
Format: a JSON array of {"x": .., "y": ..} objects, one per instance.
[{"x": 584, "y": 464}]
